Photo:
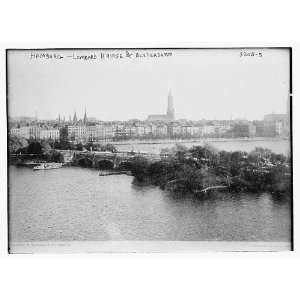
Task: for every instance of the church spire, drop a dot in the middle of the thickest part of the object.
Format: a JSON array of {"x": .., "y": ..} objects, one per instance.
[
  {"x": 75, "y": 117},
  {"x": 85, "y": 117}
]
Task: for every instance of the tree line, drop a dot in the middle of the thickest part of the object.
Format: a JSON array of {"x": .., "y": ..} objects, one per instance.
[
  {"x": 19, "y": 145},
  {"x": 49, "y": 150},
  {"x": 200, "y": 169}
]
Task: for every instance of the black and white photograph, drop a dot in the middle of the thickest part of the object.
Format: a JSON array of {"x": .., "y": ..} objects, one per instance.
[{"x": 149, "y": 149}]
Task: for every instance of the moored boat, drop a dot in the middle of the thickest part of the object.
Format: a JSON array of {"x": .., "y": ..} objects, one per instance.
[
  {"x": 48, "y": 166},
  {"x": 107, "y": 173}
]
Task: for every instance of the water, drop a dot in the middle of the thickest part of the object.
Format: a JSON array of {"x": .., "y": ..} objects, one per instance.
[
  {"x": 277, "y": 146},
  {"x": 75, "y": 204}
]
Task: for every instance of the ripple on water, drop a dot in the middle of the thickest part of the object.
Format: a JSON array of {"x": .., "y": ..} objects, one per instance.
[{"x": 76, "y": 204}]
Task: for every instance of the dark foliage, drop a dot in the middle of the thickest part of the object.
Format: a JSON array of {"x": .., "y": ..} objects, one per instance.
[
  {"x": 34, "y": 148},
  {"x": 193, "y": 170},
  {"x": 90, "y": 146}
]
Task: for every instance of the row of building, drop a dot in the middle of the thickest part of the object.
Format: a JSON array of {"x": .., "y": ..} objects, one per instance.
[
  {"x": 271, "y": 126},
  {"x": 36, "y": 132},
  {"x": 111, "y": 131},
  {"x": 156, "y": 126}
]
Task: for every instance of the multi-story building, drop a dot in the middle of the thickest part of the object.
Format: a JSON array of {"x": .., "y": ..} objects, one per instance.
[
  {"x": 120, "y": 131},
  {"x": 244, "y": 130},
  {"x": 208, "y": 130},
  {"x": 27, "y": 132},
  {"x": 49, "y": 134},
  {"x": 131, "y": 130},
  {"x": 77, "y": 133},
  {"x": 276, "y": 125},
  {"x": 196, "y": 131},
  {"x": 252, "y": 130},
  {"x": 140, "y": 130},
  {"x": 148, "y": 130},
  {"x": 21, "y": 132},
  {"x": 36, "y": 132},
  {"x": 91, "y": 133},
  {"x": 221, "y": 129},
  {"x": 161, "y": 131},
  {"x": 174, "y": 130},
  {"x": 186, "y": 131},
  {"x": 105, "y": 132},
  {"x": 152, "y": 129}
]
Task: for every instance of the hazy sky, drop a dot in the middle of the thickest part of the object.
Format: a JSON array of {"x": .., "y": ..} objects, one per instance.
[{"x": 210, "y": 84}]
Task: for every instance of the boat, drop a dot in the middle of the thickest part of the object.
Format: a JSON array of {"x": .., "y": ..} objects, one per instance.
[
  {"x": 104, "y": 173},
  {"x": 48, "y": 166}
]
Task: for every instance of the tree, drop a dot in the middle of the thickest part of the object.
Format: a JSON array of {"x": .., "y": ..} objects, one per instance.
[
  {"x": 188, "y": 180},
  {"x": 16, "y": 143},
  {"x": 139, "y": 168},
  {"x": 45, "y": 146},
  {"x": 161, "y": 172},
  {"x": 206, "y": 154},
  {"x": 55, "y": 156},
  {"x": 79, "y": 147},
  {"x": 90, "y": 146},
  {"x": 34, "y": 148},
  {"x": 200, "y": 167},
  {"x": 110, "y": 147}
]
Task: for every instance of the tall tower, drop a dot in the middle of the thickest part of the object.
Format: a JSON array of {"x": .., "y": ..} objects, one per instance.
[
  {"x": 170, "y": 109},
  {"x": 85, "y": 117},
  {"x": 75, "y": 118}
]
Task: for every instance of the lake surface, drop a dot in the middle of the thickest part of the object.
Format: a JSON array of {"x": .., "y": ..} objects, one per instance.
[
  {"x": 276, "y": 145},
  {"x": 75, "y": 204}
]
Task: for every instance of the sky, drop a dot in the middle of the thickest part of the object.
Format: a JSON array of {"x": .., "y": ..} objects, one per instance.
[{"x": 205, "y": 83}]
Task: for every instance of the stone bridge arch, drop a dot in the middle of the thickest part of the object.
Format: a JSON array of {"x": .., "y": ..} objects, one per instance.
[
  {"x": 104, "y": 164},
  {"x": 85, "y": 162}
]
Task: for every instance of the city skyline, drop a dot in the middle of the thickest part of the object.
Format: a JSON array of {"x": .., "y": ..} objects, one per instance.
[
  {"x": 170, "y": 110},
  {"x": 66, "y": 118},
  {"x": 133, "y": 89}
]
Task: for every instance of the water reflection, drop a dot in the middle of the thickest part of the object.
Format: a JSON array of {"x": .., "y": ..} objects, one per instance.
[{"x": 77, "y": 204}]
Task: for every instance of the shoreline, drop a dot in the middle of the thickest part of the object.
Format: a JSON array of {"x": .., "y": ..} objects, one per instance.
[{"x": 205, "y": 140}]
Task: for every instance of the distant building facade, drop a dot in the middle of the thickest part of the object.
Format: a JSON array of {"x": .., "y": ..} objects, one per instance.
[
  {"x": 244, "y": 130},
  {"x": 49, "y": 134},
  {"x": 36, "y": 132},
  {"x": 277, "y": 124},
  {"x": 85, "y": 130}
]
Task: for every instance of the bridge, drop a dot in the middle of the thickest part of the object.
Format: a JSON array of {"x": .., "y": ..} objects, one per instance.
[
  {"x": 104, "y": 160},
  {"x": 97, "y": 159}
]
